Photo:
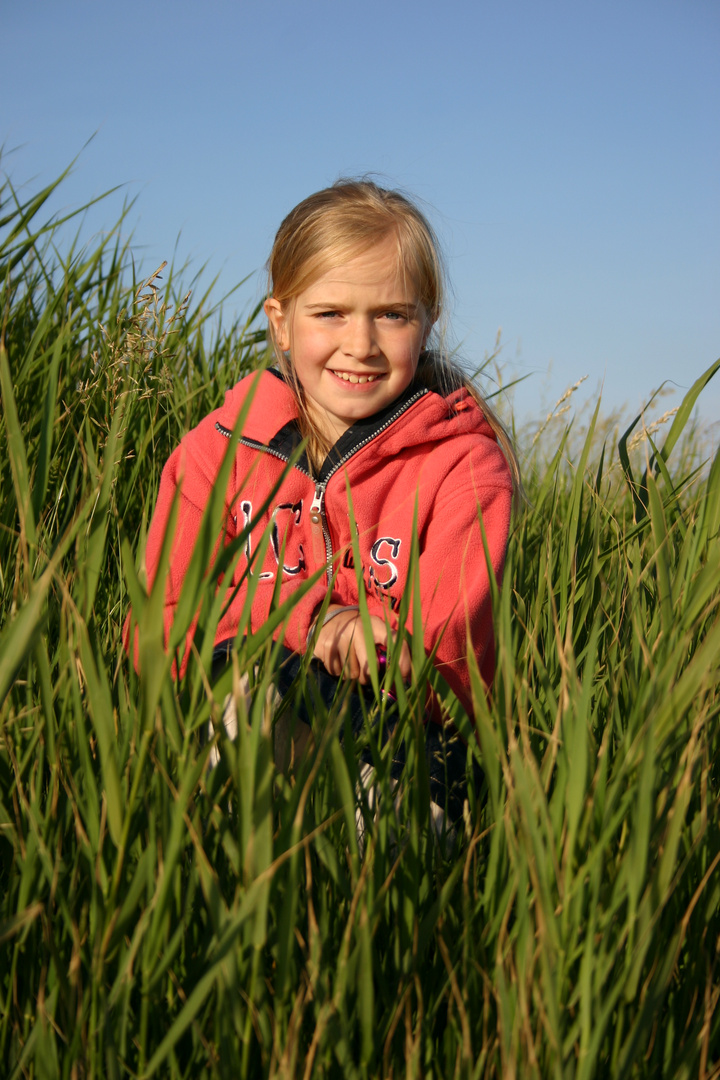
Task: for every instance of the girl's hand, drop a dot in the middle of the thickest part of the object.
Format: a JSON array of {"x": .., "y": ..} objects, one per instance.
[{"x": 341, "y": 646}]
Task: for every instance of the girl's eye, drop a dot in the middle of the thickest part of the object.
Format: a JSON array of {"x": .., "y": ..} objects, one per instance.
[{"x": 327, "y": 314}]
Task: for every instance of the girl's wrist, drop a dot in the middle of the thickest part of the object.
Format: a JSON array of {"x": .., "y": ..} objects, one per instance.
[{"x": 329, "y": 614}]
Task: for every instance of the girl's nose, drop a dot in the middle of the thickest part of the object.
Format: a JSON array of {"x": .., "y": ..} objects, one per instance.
[{"x": 359, "y": 340}]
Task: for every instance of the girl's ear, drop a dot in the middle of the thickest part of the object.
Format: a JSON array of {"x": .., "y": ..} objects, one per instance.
[{"x": 278, "y": 323}]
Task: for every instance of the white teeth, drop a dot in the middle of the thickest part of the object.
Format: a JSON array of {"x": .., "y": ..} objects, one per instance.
[{"x": 347, "y": 377}]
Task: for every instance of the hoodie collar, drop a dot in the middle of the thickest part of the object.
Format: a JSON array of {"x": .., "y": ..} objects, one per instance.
[{"x": 273, "y": 397}]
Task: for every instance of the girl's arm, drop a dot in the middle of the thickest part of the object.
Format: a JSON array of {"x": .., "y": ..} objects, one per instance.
[
  {"x": 455, "y": 586},
  {"x": 180, "y": 472},
  {"x": 188, "y": 524}
]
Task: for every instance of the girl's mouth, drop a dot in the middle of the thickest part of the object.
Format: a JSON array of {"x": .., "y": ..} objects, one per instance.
[{"x": 347, "y": 376}]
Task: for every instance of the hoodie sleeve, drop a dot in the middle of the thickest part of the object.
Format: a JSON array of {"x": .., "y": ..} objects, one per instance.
[
  {"x": 190, "y": 513},
  {"x": 454, "y": 575},
  {"x": 191, "y": 482}
]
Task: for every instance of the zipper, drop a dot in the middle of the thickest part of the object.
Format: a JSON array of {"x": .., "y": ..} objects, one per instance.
[
  {"x": 374, "y": 434},
  {"x": 317, "y": 509},
  {"x": 317, "y": 517},
  {"x": 273, "y": 453}
]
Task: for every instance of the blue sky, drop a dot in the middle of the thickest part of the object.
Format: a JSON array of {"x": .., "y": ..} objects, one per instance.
[{"x": 568, "y": 154}]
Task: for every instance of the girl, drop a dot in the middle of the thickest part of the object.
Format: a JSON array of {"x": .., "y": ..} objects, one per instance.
[{"x": 363, "y": 384}]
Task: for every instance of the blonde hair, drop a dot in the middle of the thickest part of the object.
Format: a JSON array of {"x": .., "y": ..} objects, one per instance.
[{"x": 334, "y": 226}]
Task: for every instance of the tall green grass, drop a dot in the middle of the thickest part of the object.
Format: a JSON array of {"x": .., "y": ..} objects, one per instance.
[{"x": 157, "y": 919}]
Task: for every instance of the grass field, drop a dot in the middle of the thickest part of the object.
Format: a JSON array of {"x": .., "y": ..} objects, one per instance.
[{"x": 157, "y": 919}]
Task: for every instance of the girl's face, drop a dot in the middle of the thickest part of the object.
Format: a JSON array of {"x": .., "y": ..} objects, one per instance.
[{"x": 354, "y": 337}]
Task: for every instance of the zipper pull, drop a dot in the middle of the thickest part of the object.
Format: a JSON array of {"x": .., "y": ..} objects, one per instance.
[
  {"x": 321, "y": 549},
  {"x": 317, "y": 506}
]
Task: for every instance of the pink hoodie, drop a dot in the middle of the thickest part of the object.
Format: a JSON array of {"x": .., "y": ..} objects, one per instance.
[{"x": 423, "y": 451}]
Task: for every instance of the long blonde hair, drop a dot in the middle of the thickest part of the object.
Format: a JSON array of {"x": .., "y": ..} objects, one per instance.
[{"x": 334, "y": 226}]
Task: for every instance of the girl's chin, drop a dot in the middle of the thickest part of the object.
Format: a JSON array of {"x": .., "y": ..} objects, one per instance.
[{"x": 333, "y": 420}]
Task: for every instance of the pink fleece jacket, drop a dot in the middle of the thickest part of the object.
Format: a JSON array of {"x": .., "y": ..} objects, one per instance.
[{"x": 423, "y": 451}]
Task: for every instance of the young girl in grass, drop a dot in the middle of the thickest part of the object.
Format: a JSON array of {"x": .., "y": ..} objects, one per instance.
[{"x": 363, "y": 385}]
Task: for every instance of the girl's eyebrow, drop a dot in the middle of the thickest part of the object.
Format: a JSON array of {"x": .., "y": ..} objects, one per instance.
[
  {"x": 311, "y": 307},
  {"x": 399, "y": 304}
]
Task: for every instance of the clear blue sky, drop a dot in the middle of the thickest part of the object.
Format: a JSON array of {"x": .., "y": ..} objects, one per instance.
[{"x": 569, "y": 153}]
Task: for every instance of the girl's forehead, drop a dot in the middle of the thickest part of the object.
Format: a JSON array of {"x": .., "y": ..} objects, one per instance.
[{"x": 380, "y": 264}]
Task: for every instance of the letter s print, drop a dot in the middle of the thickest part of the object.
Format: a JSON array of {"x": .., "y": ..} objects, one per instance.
[{"x": 379, "y": 557}]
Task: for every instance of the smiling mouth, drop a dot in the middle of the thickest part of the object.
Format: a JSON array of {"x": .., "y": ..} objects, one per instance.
[{"x": 347, "y": 376}]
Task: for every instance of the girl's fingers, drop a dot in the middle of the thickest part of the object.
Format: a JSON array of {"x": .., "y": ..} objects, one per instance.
[
  {"x": 380, "y": 637},
  {"x": 360, "y": 649},
  {"x": 405, "y": 662},
  {"x": 342, "y": 648},
  {"x": 334, "y": 646}
]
